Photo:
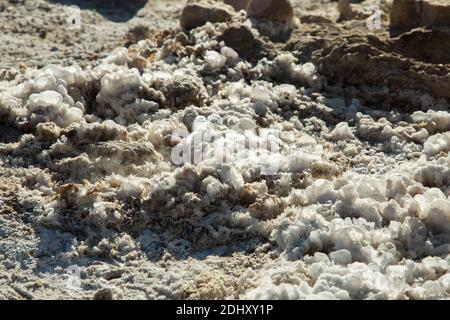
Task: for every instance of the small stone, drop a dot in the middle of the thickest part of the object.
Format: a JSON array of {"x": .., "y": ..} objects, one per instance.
[
  {"x": 242, "y": 40},
  {"x": 197, "y": 13}
]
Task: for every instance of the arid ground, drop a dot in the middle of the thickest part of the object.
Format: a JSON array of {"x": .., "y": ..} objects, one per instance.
[{"x": 93, "y": 205}]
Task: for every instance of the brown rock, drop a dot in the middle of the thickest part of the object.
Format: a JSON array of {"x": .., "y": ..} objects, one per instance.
[
  {"x": 409, "y": 14},
  {"x": 244, "y": 42},
  {"x": 436, "y": 13},
  {"x": 349, "y": 11},
  {"x": 104, "y": 294},
  {"x": 197, "y": 13},
  {"x": 398, "y": 71},
  {"x": 278, "y": 12}
]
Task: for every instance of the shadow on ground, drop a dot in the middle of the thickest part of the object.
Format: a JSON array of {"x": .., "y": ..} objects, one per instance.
[{"x": 114, "y": 10}]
